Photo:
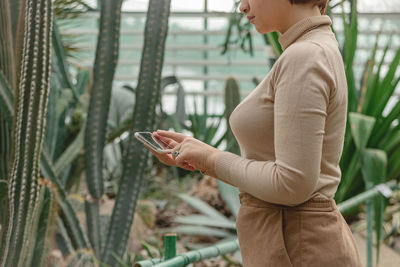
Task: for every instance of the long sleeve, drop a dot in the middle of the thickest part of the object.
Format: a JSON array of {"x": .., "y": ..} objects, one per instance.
[{"x": 303, "y": 82}]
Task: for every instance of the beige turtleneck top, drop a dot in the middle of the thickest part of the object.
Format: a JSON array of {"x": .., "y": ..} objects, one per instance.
[{"x": 291, "y": 127}]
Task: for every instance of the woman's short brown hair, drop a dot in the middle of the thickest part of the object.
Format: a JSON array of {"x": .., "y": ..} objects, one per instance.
[{"x": 320, "y": 3}]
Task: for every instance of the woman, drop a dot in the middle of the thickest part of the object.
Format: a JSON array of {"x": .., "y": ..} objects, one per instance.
[{"x": 291, "y": 132}]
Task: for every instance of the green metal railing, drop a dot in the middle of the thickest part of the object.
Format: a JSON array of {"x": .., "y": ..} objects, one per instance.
[{"x": 172, "y": 260}]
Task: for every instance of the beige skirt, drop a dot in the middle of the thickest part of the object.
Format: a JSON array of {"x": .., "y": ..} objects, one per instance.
[{"x": 311, "y": 234}]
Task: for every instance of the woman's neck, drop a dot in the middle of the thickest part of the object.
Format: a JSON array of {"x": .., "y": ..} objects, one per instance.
[{"x": 297, "y": 14}]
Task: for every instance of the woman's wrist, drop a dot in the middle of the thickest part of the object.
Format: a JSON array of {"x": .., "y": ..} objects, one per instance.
[{"x": 210, "y": 163}]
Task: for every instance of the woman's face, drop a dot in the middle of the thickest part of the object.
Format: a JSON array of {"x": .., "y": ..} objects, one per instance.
[{"x": 266, "y": 15}]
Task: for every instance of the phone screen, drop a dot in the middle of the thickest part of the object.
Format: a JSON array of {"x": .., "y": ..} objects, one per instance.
[{"x": 155, "y": 143}]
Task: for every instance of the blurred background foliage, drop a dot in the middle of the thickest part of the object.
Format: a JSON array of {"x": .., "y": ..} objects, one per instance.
[{"x": 84, "y": 234}]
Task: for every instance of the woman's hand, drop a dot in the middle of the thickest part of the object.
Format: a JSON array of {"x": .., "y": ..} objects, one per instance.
[
  {"x": 167, "y": 159},
  {"x": 193, "y": 154}
]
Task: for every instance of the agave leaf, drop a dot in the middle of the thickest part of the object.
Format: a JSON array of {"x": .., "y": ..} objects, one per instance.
[
  {"x": 349, "y": 177},
  {"x": 203, "y": 207},
  {"x": 374, "y": 172},
  {"x": 119, "y": 260},
  {"x": 394, "y": 162},
  {"x": 121, "y": 107},
  {"x": 386, "y": 89},
  {"x": 392, "y": 142},
  {"x": 69, "y": 154},
  {"x": 198, "y": 230},
  {"x": 229, "y": 194},
  {"x": 45, "y": 227},
  {"x": 373, "y": 167},
  {"x": 67, "y": 214},
  {"x": 361, "y": 128},
  {"x": 6, "y": 98},
  {"x": 383, "y": 126},
  {"x": 148, "y": 248},
  {"x": 204, "y": 220},
  {"x": 367, "y": 89},
  {"x": 374, "y": 83},
  {"x": 221, "y": 139},
  {"x": 60, "y": 63},
  {"x": 272, "y": 38},
  {"x": 3, "y": 189},
  {"x": 83, "y": 79},
  {"x": 348, "y": 51},
  {"x": 64, "y": 243},
  {"x": 80, "y": 257},
  {"x": 51, "y": 135}
]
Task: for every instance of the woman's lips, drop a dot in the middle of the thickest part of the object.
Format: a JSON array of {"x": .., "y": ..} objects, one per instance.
[{"x": 251, "y": 18}]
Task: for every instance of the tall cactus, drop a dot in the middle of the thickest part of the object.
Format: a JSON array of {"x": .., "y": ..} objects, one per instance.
[
  {"x": 96, "y": 128},
  {"x": 33, "y": 90},
  {"x": 232, "y": 99},
  {"x": 7, "y": 82},
  {"x": 147, "y": 94},
  {"x": 45, "y": 225}
]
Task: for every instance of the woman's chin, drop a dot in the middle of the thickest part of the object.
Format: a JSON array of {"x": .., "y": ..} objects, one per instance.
[{"x": 263, "y": 30}]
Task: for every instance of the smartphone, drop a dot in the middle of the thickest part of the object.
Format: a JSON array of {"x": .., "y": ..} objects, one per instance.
[{"x": 155, "y": 143}]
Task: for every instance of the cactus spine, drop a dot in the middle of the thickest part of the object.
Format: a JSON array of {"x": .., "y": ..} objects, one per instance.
[
  {"x": 103, "y": 74},
  {"x": 147, "y": 95},
  {"x": 33, "y": 90}
]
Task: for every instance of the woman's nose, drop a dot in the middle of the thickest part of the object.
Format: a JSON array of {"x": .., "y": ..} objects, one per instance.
[{"x": 244, "y": 7}]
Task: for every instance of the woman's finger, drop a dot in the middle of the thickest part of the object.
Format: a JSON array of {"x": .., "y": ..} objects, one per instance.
[
  {"x": 178, "y": 137},
  {"x": 170, "y": 142},
  {"x": 187, "y": 166},
  {"x": 182, "y": 163},
  {"x": 176, "y": 151},
  {"x": 164, "y": 158}
]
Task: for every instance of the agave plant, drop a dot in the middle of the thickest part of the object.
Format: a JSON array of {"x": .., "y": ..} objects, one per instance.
[
  {"x": 373, "y": 167},
  {"x": 209, "y": 223},
  {"x": 370, "y": 99}
]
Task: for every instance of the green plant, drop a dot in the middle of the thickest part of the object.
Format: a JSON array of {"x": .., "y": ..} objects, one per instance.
[
  {"x": 209, "y": 223},
  {"x": 373, "y": 167},
  {"x": 232, "y": 99},
  {"x": 23, "y": 238},
  {"x": 228, "y": 192},
  {"x": 66, "y": 12},
  {"x": 147, "y": 95},
  {"x": 100, "y": 95},
  {"x": 371, "y": 98},
  {"x": 243, "y": 27}
]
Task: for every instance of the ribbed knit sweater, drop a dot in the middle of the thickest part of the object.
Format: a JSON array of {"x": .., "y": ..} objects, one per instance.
[{"x": 291, "y": 127}]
